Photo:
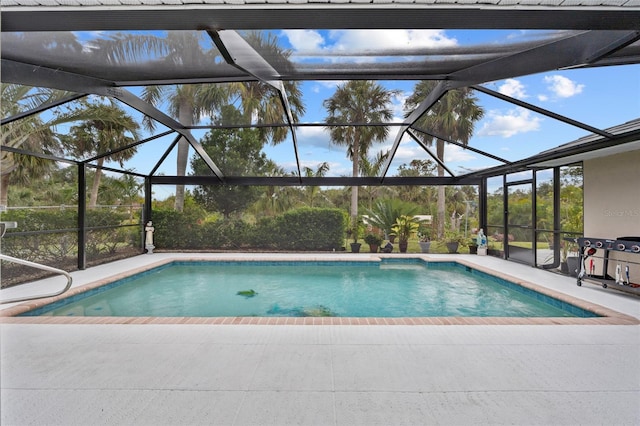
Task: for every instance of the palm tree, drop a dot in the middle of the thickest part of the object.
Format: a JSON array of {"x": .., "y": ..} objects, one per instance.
[
  {"x": 384, "y": 213},
  {"x": 423, "y": 195},
  {"x": 260, "y": 103},
  {"x": 32, "y": 133},
  {"x": 128, "y": 191},
  {"x": 320, "y": 171},
  {"x": 189, "y": 103},
  {"x": 274, "y": 199},
  {"x": 373, "y": 167},
  {"x": 112, "y": 130},
  {"x": 452, "y": 117},
  {"x": 186, "y": 103},
  {"x": 358, "y": 102}
]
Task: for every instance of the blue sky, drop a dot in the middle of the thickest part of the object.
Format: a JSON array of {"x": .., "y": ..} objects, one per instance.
[{"x": 601, "y": 97}]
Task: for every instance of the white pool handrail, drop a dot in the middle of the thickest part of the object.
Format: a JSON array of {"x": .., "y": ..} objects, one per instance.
[{"x": 38, "y": 266}]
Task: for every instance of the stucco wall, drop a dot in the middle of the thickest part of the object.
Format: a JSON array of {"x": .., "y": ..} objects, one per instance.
[{"x": 612, "y": 203}]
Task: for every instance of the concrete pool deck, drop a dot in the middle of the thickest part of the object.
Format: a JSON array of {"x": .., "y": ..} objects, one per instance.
[{"x": 246, "y": 374}]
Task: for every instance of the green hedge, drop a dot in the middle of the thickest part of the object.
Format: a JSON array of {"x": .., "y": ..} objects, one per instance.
[
  {"x": 305, "y": 229},
  {"x": 59, "y": 238},
  {"x": 301, "y": 229},
  {"x": 177, "y": 230},
  {"x": 310, "y": 229}
]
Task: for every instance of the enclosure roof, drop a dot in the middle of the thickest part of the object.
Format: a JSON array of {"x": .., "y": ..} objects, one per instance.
[{"x": 569, "y": 34}]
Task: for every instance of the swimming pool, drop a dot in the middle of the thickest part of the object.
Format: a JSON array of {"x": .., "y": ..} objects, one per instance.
[{"x": 387, "y": 288}]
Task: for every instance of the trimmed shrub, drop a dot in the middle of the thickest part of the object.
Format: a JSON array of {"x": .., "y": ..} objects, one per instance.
[
  {"x": 177, "y": 230},
  {"x": 301, "y": 229},
  {"x": 309, "y": 229}
]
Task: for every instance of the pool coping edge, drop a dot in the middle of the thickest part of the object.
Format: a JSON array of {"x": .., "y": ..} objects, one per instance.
[{"x": 606, "y": 316}]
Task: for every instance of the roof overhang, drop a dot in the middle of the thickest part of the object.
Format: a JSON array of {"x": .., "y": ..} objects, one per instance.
[
  {"x": 31, "y": 15},
  {"x": 590, "y": 155},
  {"x": 587, "y": 148}
]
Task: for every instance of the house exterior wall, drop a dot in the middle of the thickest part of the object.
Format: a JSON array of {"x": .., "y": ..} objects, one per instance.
[{"x": 612, "y": 204}]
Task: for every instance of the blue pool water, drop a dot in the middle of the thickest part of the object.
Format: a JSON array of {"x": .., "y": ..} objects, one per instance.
[{"x": 345, "y": 289}]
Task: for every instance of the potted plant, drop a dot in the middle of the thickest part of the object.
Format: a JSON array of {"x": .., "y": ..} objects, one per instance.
[
  {"x": 404, "y": 228},
  {"x": 424, "y": 239},
  {"x": 569, "y": 261},
  {"x": 384, "y": 213},
  {"x": 453, "y": 240},
  {"x": 473, "y": 246},
  {"x": 374, "y": 241},
  {"x": 354, "y": 232}
]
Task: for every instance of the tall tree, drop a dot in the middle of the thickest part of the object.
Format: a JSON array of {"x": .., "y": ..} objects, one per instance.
[
  {"x": 358, "y": 102},
  {"x": 112, "y": 130},
  {"x": 190, "y": 103},
  {"x": 260, "y": 103},
  {"x": 186, "y": 103},
  {"x": 275, "y": 199},
  {"x": 238, "y": 152},
  {"x": 452, "y": 117},
  {"x": 30, "y": 133},
  {"x": 423, "y": 195},
  {"x": 33, "y": 133},
  {"x": 373, "y": 167},
  {"x": 320, "y": 171}
]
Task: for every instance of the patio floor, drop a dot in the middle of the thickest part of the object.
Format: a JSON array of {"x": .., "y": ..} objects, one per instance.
[{"x": 188, "y": 374}]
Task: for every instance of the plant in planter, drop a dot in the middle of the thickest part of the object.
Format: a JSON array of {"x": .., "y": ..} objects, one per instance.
[
  {"x": 384, "y": 213},
  {"x": 473, "y": 245},
  {"x": 453, "y": 240},
  {"x": 354, "y": 232},
  {"x": 374, "y": 241},
  {"x": 404, "y": 228},
  {"x": 424, "y": 239},
  {"x": 569, "y": 260}
]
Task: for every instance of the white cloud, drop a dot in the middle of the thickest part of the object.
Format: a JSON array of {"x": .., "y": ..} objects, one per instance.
[
  {"x": 304, "y": 40},
  {"x": 397, "y": 106},
  {"x": 348, "y": 40},
  {"x": 457, "y": 154},
  {"x": 563, "y": 87},
  {"x": 513, "y": 88},
  {"x": 515, "y": 121},
  {"x": 307, "y": 42},
  {"x": 408, "y": 152},
  {"x": 314, "y": 136}
]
